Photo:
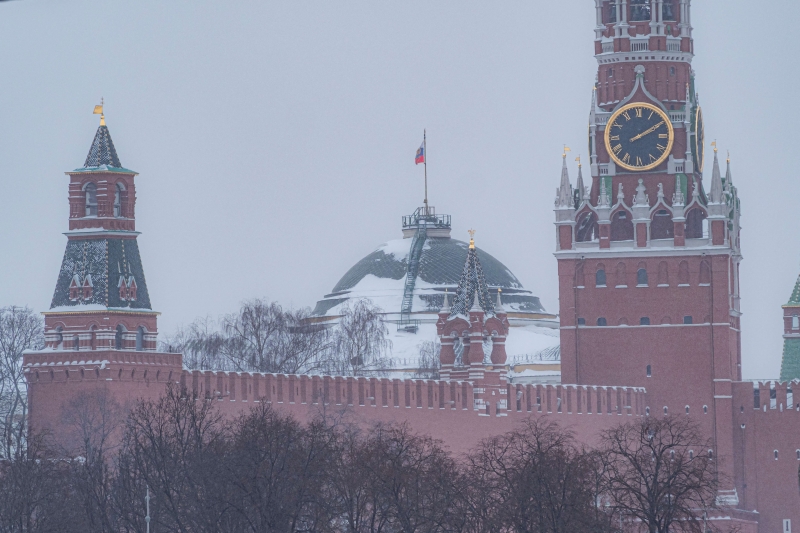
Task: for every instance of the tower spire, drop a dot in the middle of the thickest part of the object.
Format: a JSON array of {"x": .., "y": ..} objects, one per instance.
[
  {"x": 580, "y": 187},
  {"x": 716, "y": 195},
  {"x": 564, "y": 192}
]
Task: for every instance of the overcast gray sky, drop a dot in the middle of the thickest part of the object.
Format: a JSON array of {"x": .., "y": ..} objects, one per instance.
[{"x": 275, "y": 140}]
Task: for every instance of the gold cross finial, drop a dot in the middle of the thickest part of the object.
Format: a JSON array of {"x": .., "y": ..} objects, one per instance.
[
  {"x": 566, "y": 149},
  {"x": 98, "y": 110},
  {"x": 471, "y": 239},
  {"x": 729, "y": 156},
  {"x": 578, "y": 159},
  {"x": 714, "y": 144}
]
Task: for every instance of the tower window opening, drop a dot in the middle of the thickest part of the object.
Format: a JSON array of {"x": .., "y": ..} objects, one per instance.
[
  {"x": 118, "y": 340},
  {"x": 775, "y": 453},
  {"x": 59, "y": 338},
  {"x": 602, "y": 322},
  {"x": 140, "y": 339},
  {"x": 611, "y": 12},
  {"x": 649, "y": 371},
  {"x": 705, "y": 273},
  {"x": 798, "y": 455},
  {"x": 668, "y": 10},
  {"x": 662, "y": 226},
  {"x": 76, "y": 343},
  {"x": 683, "y": 273},
  {"x": 705, "y": 409},
  {"x": 666, "y": 410},
  {"x": 621, "y": 227},
  {"x": 688, "y": 320},
  {"x": 672, "y": 71},
  {"x": 647, "y": 411},
  {"x": 640, "y": 10},
  {"x": 587, "y": 229},
  {"x": 756, "y": 398},
  {"x": 644, "y": 321},
  {"x": 610, "y": 72},
  {"x": 119, "y": 193},
  {"x": 91, "y": 199},
  {"x": 691, "y": 454},
  {"x": 641, "y": 278},
  {"x": 581, "y": 321},
  {"x": 796, "y": 322},
  {"x": 687, "y": 409},
  {"x": 694, "y": 224}
]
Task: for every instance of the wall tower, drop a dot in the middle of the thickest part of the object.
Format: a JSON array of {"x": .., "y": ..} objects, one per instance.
[
  {"x": 648, "y": 260},
  {"x": 790, "y": 366}
]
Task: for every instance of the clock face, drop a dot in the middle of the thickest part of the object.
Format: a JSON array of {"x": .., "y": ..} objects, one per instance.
[
  {"x": 700, "y": 139},
  {"x": 639, "y": 136}
]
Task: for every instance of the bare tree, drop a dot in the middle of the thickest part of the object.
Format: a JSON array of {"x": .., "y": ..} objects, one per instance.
[
  {"x": 360, "y": 345},
  {"x": 429, "y": 365},
  {"x": 533, "y": 479},
  {"x": 660, "y": 474},
  {"x": 20, "y": 329},
  {"x": 202, "y": 345},
  {"x": 94, "y": 420}
]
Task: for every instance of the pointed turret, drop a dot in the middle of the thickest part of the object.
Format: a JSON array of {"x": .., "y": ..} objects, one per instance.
[
  {"x": 102, "y": 153},
  {"x": 564, "y": 192},
  {"x": 790, "y": 365},
  {"x": 715, "y": 196},
  {"x": 580, "y": 189},
  {"x": 472, "y": 293}
]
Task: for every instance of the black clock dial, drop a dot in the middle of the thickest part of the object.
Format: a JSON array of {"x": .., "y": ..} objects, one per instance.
[
  {"x": 699, "y": 140},
  {"x": 639, "y": 137}
]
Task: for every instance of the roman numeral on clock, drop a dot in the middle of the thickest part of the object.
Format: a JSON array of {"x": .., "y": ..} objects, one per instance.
[
  {"x": 639, "y": 162},
  {"x": 639, "y": 112},
  {"x": 617, "y": 149},
  {"x": 652, "y": 159},
  {"x": 663, "y": 136},
  {"x": 614, "y": 138},
  {"x": 661, "y": 149},
  {"x": 627, "y": 159}
]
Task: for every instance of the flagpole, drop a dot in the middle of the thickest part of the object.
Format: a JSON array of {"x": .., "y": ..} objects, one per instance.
[{"x": 425, "y": 162}]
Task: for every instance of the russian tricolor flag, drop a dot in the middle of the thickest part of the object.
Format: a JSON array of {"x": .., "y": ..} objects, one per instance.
[{"x": 420, "y": 158}]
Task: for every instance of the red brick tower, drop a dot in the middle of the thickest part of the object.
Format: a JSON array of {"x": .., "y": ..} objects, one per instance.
[
  {"x": 473, "y": 336},
  {"x": 648, "y": 260},
  {"x": 100, "y": 328}
]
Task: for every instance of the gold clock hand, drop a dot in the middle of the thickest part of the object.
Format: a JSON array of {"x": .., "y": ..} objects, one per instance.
[{"x": 648, "y": 132}]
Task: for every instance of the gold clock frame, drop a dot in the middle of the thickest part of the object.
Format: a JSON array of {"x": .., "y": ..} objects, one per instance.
[
  {"x": 629, "y": 107},
  {"x": 698, "y": 119}
]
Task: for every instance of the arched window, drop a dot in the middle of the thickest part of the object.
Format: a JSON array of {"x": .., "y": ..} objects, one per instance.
[
  {"x": 798, "y": 455},
  {"x": 118, "y": 337},
  {"x": 662, "y": 227},
  {"x": 666, "y": 411},
  {"x": 711, "y": 455},
  {"x": 90, "y": 192},
  {"x": 776, "y": 454},
  {"x": 93, "y": 338},
  {"x": 694, "y": 224},
  {"x": 140, "y": 339},
  {"x": 663, "y": 274},
  {"x": 602, "y": 322},
  {"x": 621, "y": 226},
  {"x": 640, "y": 10},
  {"x": 586, "y": 229},
  {"x": 76, "y": 343},
  {"x": 600, "y": 278},
  {"x": 705, "y": 409},
  {"x": 119, "y": 191},
  {"x": 580, "y": 279},
  {"x": 644, "y": 321},
  {"x": 705, "y": 273},
  {"x": 641, "y": 277},
  {"x": 621, "y": 275},
  {"x": 796, "y": 322},
  {"x": 623, "y": 321},
  {"x": 649, "y": 371},
  {"x": 691, "y": 454},
  {"x": 683, "y": 273}
]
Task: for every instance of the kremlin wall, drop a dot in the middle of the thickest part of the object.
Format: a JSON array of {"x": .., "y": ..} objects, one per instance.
[{"x": 648, "y": 271}]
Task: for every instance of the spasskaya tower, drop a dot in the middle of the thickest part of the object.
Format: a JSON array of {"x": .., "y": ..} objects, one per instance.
[{"x": 648, "y": 256}]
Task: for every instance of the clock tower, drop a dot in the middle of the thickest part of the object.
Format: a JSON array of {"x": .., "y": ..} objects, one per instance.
[{"x": 648, "y": 255}]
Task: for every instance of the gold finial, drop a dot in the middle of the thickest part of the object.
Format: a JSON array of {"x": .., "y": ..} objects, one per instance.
[
  {"x": 471, "y": 239},
  {"x": 578, "y": 159},
  {"x": 566, "y": 149},
  {"x": 729, "y": 156},
  {"x": 714, "y": 144},
  {"x": 98, "y": 110}
]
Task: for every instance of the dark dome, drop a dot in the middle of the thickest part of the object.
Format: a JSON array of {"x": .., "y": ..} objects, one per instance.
[{"x": 441, "y": 264}]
